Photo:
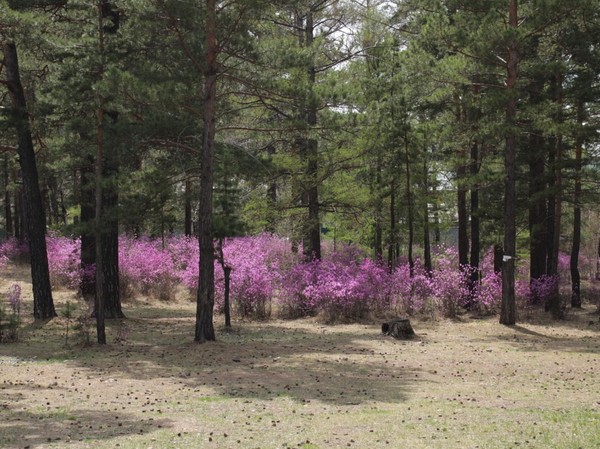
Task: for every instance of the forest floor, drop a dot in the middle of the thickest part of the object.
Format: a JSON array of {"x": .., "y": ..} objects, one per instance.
[{"x": 468, "y": 383}]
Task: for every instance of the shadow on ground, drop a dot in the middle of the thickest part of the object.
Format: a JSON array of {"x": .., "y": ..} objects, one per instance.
[
  {"x": 261, "y": 361},
  {"x": 51, "y": 425}
]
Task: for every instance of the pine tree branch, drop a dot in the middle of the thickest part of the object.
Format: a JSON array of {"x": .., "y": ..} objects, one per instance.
[{"x": 181, "y": 39}]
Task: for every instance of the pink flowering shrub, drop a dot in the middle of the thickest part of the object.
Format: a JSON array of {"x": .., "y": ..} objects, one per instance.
[
  {"x": 145, "y": 267},
  {"x": 9, "y": 330},
  {"x": 346, "y": 285},
  {"x": 64, "y": 261},
  {"x": 488, "y": 293},
  {"x": 542, "y": 289},
  {"x": 14, "y": 298},
  {"x": 450, "y": 289},
  {"x": 293, "y": 302},
  {"x": 449, "y": 285},
  {"x": 413, "y": 293},
  {"x": 185, "y": 254},
  {"x": 341, "y": 287},
  {"x": 256, "y": 266},
  {"x": 12, "y": 249}
]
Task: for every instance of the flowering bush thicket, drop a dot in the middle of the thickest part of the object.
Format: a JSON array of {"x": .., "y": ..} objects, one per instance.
[
  {"x": 146, "y": 267},
  {"x": 11, "y": 249},
  {"x": 412, "y": 293},
  {"x": 345, "y": 285},
  {"x": 489, "y": 292},
  {"x": 542, "y": 289},
  {"x": 185, "y": 254},
  {"x": 257, "y": 264},
  {"x": 64, "y": 261}
]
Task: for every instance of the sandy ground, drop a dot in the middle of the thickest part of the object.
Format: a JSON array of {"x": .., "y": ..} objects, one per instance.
[{"x": 465, "y": 384}]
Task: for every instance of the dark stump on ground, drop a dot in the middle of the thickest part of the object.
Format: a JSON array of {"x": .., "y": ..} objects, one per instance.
[{"x": 400, "y": 329}]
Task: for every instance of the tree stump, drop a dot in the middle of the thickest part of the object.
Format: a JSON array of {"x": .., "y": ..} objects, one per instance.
[{"x": 399, "y": 328}]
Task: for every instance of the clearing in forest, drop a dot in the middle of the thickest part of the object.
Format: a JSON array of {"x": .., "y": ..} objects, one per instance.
[{"x": 470, "y": 383}]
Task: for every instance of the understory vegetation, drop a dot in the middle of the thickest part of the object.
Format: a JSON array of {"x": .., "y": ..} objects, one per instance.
[
  {"x": 346, "y": 286},
  {"x": 279, "y": 384}
]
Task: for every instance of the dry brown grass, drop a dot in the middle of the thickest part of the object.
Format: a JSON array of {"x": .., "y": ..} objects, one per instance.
[{"x": 460, "y": 384}]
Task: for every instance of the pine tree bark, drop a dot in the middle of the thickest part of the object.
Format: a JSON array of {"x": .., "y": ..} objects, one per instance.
[
  {"x": 461, "y": 199},
  {"x": 312, "y": 237},
  {"x": 475, "y": 234},
  {"x": 87, "y": 286},
  {"x": 107, "y": 241},
  {"x": 110, "y": 243},
  {"x": 392, "y": 254},
  {"x": 508, "y": 311},
  {"x": 378, "y": 244},
  {"x": 426, "y": 228},
  {"x": 43, "y": 304},
  {"x": 7, "y": 203},
  {"x": 99, "y": 303},
  {"x": 206, "y": 286},
  {"x": 410, "y": 217},
  {"x": 538, "y": 249},
  {"x": 187, "y": 216},
  {"x": 99, "y": 211},
  {"x": 474, "y": 115},
  {"x": 20, "y": 233},
  {"x": 574, "y": 262},
  {"x": 553, "y": 303}
]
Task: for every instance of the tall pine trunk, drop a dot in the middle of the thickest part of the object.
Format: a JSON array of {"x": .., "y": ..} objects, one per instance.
[
  {"x": 43, "y": 304},
  {"x": 461, "y": 199},
  {"x": 574, "y": 262},
  {"x": 110, "y": 240},
  {"x": 474, "y": 115},
  {"x": 426, "y": 228},
  {"x": 508, "y": 311},
  {"x": 392, "y": 253},
  {"x": 20, "y": 232},
  {"x": 187, "y": 198},
  {"x": 99, "y": 194},
  {"x": 7, "y": 206},
  {"x": 312, "y": 237},
  {"x": 87, "y": 286},
  {"x": 475, "y": 234},
  {"x": 378, "y": 244},
  {"x": 553, "y": 303},
  {"x": 410, "y": 217},
  {"x": 206, "y": 285},
  {"x": 538, "y": 249}
]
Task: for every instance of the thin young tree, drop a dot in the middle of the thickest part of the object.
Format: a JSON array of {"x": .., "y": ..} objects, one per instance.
[
  {"x": 508, "y": 312},
  {"x": 205, "y": 330}
]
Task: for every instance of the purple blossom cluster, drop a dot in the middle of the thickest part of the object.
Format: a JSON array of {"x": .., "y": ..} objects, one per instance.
[
  {"x": 14, "y": 299},
  {"x": 257, "y": 265},
  {"x": 542, "y": 289},
  {"x": 11, "y": 249},
  {"x": 345, "y": 285},
  {"x": 145, "y": 266},
  {"x": 341, "y": 287},
  {"x": 64, "y": 261}
]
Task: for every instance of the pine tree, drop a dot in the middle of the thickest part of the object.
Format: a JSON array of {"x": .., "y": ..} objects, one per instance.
[{"x": 43, "y": 304}]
